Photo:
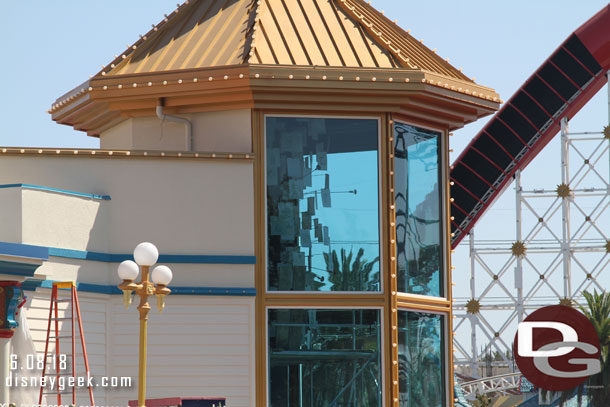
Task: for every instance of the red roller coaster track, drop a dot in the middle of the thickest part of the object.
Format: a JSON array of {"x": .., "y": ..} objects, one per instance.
[{"x": 562, "y": 85}]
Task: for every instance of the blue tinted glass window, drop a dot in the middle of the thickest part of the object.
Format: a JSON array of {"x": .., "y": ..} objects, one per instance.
[
  {"x": 418, "y": 210},
  {"x": 421, "y": 359},
  {"x": 322, "y": 204},
  {"x": 324, "y": 357}
]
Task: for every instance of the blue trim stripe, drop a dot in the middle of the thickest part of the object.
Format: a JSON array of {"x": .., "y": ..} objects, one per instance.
[
  {"x": 205, "y": 259},
  {"x": 31, "y": 285},
  {"x": 230, "y": 291},
  {"x": 24, "y": 250},
  {"x": 60, "y": 191},
  {"x": 82, "y": 255},
  {"x": 43, "y": 253},
  {"x": 164, "y": 258}
]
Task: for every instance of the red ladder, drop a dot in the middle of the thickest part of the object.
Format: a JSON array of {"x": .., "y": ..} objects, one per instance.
[{"x": 58, "y": 371}]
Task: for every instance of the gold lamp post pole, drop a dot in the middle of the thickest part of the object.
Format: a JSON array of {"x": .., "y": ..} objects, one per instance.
[{"x": 146, "y": 255}]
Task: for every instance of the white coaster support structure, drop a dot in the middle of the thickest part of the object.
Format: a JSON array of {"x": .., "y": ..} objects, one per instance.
[{"x": 561, "y": 248}]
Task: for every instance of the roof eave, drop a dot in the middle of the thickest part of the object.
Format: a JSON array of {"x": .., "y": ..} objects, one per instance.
[{"x": 113, "y": 98}]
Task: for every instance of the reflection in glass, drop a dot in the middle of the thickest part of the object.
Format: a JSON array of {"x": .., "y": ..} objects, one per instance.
[
  {"x": 322, "y": 204},
  {"x": 327, "y": 358},
  {"x": 418, "y": 210},
  {"x": 420, "y": 359}
]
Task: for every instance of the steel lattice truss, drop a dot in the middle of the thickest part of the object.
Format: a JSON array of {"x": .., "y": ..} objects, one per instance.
[
  {"x": 503, "y": 384},
  {"x": 561, "y": 247}
]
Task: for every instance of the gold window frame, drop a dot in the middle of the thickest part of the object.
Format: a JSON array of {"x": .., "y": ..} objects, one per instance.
[{"x": 388, "y": 300}]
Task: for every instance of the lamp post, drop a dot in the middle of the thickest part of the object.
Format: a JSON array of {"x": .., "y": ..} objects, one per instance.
[{"x": 145, "y": 255}]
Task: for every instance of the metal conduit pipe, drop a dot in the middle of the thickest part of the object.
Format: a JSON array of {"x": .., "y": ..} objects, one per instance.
[{"x": 176, "y": 119}]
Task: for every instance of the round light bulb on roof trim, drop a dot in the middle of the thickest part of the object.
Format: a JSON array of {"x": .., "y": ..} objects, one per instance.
[
  {"x": 161, "y": 275},
  {"x": 128, "y": 270},
  {"x": 146, "y": 254}
]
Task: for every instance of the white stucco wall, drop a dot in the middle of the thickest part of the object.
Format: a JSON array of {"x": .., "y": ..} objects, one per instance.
[
  {"x": 201, "y": 346},
  {"x": 10, "y": 215},
  {"x": 192, "y": 207},
  {"x": 57, "y": 220},
  {"x": 226, "y": 131},
  {"x": 118, "y": 137}
]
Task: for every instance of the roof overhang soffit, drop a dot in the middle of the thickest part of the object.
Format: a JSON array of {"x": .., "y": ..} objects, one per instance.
[{"x": 110, "y": 99}]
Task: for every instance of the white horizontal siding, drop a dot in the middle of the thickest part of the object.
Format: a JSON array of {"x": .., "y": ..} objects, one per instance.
[
  {"x": 93, "y": 315},
  {"x": 198, "y": 347}
]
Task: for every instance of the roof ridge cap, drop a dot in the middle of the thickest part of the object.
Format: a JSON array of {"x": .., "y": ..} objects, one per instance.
[
  {"x": 393, "y": 26},
  {"x": 251, "y": 33},
  {"x": 351, "y": 11}
]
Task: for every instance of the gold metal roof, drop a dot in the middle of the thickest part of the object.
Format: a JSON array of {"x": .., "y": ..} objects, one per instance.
[
  {"x": 335, "y": 55},
  {"x": 200, "y": 33},
  {"x": 324, "y": 33}
]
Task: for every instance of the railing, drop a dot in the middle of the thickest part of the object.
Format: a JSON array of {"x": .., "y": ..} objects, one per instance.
[{"x": 501, "y": 384}]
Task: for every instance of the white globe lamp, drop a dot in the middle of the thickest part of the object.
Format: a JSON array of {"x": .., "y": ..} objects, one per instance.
[
  {"x": 128, "y": 270},
  {"x": 146, "y": 254},
  {"x": 161, "y": 275}
]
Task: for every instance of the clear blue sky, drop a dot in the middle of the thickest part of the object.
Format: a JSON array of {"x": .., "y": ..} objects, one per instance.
[{"x": 49, "y": 47}]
